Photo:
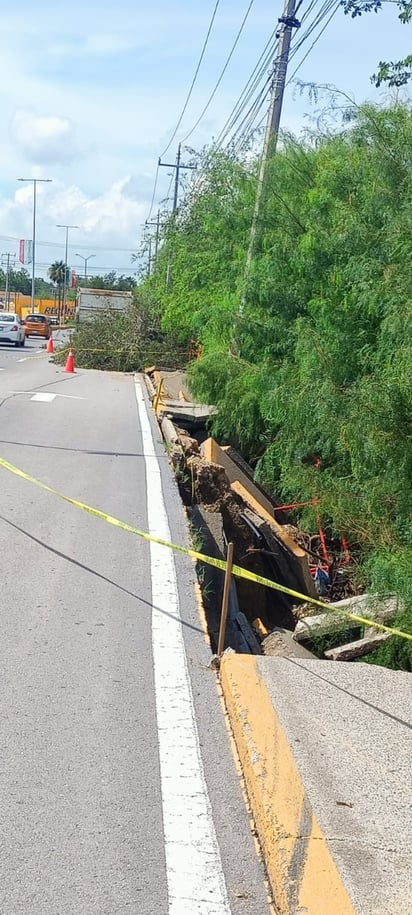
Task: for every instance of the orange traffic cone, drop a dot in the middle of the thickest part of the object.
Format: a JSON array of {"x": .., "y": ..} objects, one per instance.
[
  {"x": 69, "y": 367},
  {"x": 50, "y": 345}
]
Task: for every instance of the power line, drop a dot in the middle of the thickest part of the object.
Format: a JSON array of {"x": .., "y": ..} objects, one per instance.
[
  {"x": 56, "y": 244},
  {"x": 98, "y": 270},
  {"x": 230, "y": 55},
  {"x": 245, "y": 126},
  {"x": 193, "y": 80},
  {"x": 247, "y": 92},
  {"x": 265, "y": 58},
  {"x": 183, "y": 110},
  {"x": 154, "y": 189},
  {"x": 333, "y": 13},
  {"x": 313, "y": 17},
  {"x": 248, "y": 123},
  {"x": 325, "y": 9},
  {"x": 249, "y": 88}
]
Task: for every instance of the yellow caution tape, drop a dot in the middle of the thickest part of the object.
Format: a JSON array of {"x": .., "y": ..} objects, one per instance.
[{"x": 238, "y": 571}]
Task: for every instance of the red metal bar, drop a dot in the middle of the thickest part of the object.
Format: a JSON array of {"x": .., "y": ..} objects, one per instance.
[
  {"x": 284, "y": 508},
  {"x": 323, "y": 541}
]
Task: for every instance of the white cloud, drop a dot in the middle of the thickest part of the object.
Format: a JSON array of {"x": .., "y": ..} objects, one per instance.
[
  {"x": 91, "y": 99},
  {"x": 43, "y": 138},
  {"x": 109, "y": 224},
  {"x": 112, "y": 213}
]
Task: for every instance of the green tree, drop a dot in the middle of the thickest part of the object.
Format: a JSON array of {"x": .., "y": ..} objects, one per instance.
[
  {"x": 395, "y": 72},
  {"x": 20, "y": 281},
  {"x": 111, "y": 280},
  {"x": 57, "y": 273},
  {"x": 310, "y": 372}
]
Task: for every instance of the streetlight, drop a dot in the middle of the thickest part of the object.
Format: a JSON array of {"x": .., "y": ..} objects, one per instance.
[
  {"x": 35, "y": 182},
  {"x": 67, "y": 227},
  {"x": 85, "y": 259}
]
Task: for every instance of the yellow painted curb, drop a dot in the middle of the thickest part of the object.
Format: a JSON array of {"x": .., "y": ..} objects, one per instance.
[{"x": 301, "y": 870}]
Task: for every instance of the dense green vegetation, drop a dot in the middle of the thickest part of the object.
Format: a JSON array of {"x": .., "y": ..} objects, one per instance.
[
  {"x": 20, "y": 281},
  {"x": 111, "y": 280},
  {"x": 310, "y": 362},
  {"x": 126, "y": 342}
]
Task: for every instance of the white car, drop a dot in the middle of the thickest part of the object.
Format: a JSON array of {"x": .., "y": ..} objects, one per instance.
[{"x": 11, "y": 329}]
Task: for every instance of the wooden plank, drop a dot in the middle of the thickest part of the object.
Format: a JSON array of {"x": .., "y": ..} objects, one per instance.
[
  {"x": 363, "y": 605},
  {"x": 290, "y": 562},
  {"x": 357, "y": 649},
  {"x": 218, "y": 454},
  {"x": 257, "y": 507},
  {"x": 248, "y": 633}
]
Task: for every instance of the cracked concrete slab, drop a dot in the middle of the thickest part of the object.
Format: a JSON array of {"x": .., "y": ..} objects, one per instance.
[{"x": 326, "y": 750}]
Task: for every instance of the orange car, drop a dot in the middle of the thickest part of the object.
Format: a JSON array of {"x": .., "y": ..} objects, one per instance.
[{"x": 37, "y": 326}]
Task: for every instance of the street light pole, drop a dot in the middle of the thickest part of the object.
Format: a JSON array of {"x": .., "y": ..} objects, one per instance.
[
  {"x": 85, "y": 259},
  {"x": 35, "y": 182},
  {"x": 65, "y": 285},
  {"x": 8, "y": 260}
]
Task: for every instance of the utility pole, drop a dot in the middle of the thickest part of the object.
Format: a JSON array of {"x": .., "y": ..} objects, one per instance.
[
  {"x": 149, "y": 258},
  {"x": 177, "y": 176},
  {"x": 178, "y": 167},
  {"x": 288, "y": 22},
  {"x": 157, "y": 236},
  {"x": 66, "y": 269},
  {"x": 8, "y": 260}
]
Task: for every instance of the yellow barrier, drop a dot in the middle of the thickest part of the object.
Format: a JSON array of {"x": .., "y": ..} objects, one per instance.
[{"x": 238, "y": 571}]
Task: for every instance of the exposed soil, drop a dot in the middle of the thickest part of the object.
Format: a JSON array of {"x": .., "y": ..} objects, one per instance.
[{"x": 205, "y": 485}]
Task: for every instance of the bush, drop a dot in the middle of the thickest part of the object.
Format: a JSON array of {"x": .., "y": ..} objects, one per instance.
[{"x": 122, "y": 342}]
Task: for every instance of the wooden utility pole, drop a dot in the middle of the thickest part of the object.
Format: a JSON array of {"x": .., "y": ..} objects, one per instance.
[
  {"x": 7, "y": 260},
  {"x": 157, "y": 235},
  {"x": 149, "y": 260},
  {"x": 178, "y": 167},
  {"x": 287, "y": 22}
]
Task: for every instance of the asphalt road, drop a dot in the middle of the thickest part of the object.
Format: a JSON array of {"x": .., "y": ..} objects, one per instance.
[{"x": 118, "y": 788}]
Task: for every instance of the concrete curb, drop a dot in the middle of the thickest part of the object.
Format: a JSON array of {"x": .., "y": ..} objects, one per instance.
[{"x": 302, "y": 872}]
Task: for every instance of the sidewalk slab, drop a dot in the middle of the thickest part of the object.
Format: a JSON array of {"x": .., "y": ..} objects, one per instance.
[{"x": 326, "y": 754}]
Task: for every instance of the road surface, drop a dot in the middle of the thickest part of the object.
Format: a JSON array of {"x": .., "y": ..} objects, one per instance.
[{"x": 118, "y": 787}]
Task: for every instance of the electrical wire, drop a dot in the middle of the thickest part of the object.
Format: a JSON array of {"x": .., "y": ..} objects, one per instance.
[
  {"x": 242, "y": 121},
  {"x": 169, "y": 188},
  {"x": 313, "y": 17},
  {"x": 154, "y": 190},
  {"x": 301, "y": 38},
  {"x": 193, "y": 80},
  {"x": 333, "y": 13},
  {"x": 56, "y": 244},
  {"x": 249, "y": 88},
  {"x": 230, "y": 55},
  {"x": 248, "y": 124},
  {"x": 265, "y": 58},
  {"x": 253, "y": 81},
  {"x": 183, "y": 110}
]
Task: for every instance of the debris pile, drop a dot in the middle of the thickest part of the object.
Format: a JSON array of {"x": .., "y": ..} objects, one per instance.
[{"x": 225, "y": 504}]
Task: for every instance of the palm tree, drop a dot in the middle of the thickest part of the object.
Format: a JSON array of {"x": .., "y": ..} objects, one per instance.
[{"x": 57, "y": 272}]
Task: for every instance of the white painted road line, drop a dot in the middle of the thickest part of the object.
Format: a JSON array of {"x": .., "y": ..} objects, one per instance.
[
  {"x": 66, "y": 396},
  {"x": 43, "y": 397},
  {"x": 25, "y": 358},
  {"x": 196, "y": 884}
]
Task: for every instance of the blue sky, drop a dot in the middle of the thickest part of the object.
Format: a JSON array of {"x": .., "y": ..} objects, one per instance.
[{"x": 91, "y": 94}]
